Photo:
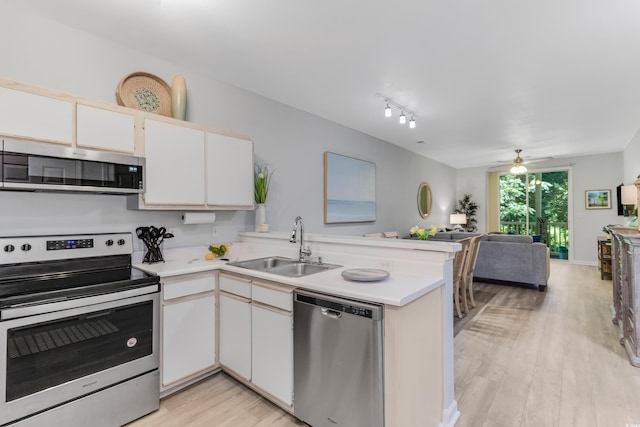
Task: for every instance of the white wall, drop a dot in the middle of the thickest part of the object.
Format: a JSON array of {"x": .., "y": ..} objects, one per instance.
[
  {"x": 631, "y": 160},
  {"x": 603, "y": 171},
  {"x": 291, "y": 142},
  {"x": 473, "y": 181}
]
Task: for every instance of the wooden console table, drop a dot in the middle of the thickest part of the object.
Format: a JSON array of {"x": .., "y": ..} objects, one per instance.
[
  {"x": 626, "y": 288},
  {"x": 604, "y": 258}
]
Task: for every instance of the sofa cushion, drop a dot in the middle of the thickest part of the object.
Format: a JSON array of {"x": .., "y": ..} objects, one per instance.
[
  {"x": 509, "y": 238},
  {"x": 452, "y": 235},
  {"x": 459, "y": 235},
  {"x": 441, "y": 236}
]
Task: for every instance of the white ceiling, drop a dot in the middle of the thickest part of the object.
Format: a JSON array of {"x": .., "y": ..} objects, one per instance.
[{"x": 553, "y": 77}]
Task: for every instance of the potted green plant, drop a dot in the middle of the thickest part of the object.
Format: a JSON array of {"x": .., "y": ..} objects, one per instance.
[
  {"x": 261, "y": 181},
  {"x": 469, "y": 208}
]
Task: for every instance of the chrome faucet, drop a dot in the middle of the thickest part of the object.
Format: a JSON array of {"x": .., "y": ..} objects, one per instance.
[{"x": 298, "y": 224}]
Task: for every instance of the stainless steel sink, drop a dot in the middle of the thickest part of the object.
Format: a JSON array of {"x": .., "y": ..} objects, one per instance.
[
  {"x": 263, "y": 264},
  {"x": 299, "y": 269},
  {"x": 284, "y": 266}
]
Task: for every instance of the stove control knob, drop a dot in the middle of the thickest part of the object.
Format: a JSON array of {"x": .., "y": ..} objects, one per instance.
[
  {"x": 109, "y": 242},
  {"x": 9, "y": 248},
  {"x": 26, "y": 247},
  {"x": 121, "y": 242}
]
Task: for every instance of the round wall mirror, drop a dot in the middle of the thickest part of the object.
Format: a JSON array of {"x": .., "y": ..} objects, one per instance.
[{"x": 424, "y": 200}]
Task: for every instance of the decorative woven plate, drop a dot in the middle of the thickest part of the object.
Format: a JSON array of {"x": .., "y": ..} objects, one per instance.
[
  {"x": 365, "y": 275},
  {"x": 146, "y": 92}
]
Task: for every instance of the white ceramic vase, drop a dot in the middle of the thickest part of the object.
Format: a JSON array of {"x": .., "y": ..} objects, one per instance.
[
  {"x": 178, "y": 97},
  {"x": 261, "y": 217}
]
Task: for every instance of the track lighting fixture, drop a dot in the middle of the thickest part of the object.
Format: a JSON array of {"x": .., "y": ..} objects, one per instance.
[
  {"x": 403, "y": 110},
  {"x": 387, "y": 111}
]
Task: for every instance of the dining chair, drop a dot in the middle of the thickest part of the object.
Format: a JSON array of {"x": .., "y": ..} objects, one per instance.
[
  {"x": 458, "y": 268},
  {"x": 467, "y": 273}
]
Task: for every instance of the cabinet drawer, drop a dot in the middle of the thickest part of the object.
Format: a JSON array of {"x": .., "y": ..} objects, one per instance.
[
  {"x": 274, "y": 295},
  {"x": 235, "y": 285},
  {"x": 188, "y": 285}
]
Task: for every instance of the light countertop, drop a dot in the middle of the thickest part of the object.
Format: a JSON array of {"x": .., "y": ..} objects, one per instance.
[{"x": 397, "y": 290}]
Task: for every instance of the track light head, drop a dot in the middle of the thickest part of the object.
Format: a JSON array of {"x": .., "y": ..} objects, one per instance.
[
  {"x": 412, "y": 123},
  {"x": 403, "y": 118},
  {"x": 387, "y": 111}
]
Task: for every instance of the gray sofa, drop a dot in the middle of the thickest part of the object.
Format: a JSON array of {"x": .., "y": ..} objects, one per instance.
[{"x": 507, "y": 258}]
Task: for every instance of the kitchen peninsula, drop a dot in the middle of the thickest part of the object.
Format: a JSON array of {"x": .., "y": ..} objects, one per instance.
[{"x": 417, "y": 324}]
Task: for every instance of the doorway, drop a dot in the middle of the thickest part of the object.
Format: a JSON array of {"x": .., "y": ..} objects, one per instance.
[{"x": 537, "y": 204}]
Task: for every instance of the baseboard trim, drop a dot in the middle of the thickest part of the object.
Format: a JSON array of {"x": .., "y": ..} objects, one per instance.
[{"x": 450, "y": 415}]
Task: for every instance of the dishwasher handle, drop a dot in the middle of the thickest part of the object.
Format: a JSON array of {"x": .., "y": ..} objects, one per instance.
[
  {"x": 336, "y": 307},
  {"x": 330, "y": 313}
]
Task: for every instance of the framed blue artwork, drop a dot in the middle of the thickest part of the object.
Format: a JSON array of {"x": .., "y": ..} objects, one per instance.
[
  {"x": 597, "y": 199},
  {"x": 349, "y": 189}
]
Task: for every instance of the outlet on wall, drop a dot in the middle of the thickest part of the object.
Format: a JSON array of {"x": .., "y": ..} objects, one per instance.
[{"x": 386, "y": 265}]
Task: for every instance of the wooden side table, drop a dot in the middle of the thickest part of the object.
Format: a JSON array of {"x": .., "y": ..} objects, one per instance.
[{"x": 604, "y": 258}]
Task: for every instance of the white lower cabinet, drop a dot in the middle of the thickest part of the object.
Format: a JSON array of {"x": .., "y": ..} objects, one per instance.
[
  {"x": 189, "y": 338},
  {"x": 188, "y": 341},
  {"x": 256, "y": 335},
  {"x": 235, "y": 334},
  {"x": 272, "y": 351}
]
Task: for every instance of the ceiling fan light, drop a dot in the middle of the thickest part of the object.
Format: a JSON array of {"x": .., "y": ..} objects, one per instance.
[
  {"x": 403, "y": 118},
  {"x": 387, "y": 111},
  {"x": 518, "y": 169}
]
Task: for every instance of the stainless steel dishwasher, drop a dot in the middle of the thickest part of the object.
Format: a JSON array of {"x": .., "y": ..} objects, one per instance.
[{"x": 338, "y": 361}]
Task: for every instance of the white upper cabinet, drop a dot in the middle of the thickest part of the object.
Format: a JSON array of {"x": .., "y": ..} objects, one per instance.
[
  {"x": 188, "y": 166},
  {"x": 105, "y": 129},
  {"x": 229, "y": 171},
  {"x": 174, "y": 164},
  {"x": 28, "y": 115}
]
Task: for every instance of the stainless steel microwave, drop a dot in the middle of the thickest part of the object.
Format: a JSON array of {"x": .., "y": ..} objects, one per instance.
[{"x": 36, "y": 166}]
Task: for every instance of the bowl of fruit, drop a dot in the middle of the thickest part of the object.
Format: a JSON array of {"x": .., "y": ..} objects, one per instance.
[{"x": 217, "y": 251}]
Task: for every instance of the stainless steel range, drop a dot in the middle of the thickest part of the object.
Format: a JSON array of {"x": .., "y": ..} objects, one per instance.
[{"x": 79, "y": 330}]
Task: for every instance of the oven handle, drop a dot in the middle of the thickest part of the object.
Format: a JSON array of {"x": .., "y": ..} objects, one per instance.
[
  {"x": 32, "y": 310},
  {"x": 99, "y": 314}
]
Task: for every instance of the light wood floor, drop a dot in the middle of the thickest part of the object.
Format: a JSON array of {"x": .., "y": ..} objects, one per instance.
[
  {"x": 526, "y": 358},
  {"x": 218, "y": 401},
  {"x": 547, "y": 359}
]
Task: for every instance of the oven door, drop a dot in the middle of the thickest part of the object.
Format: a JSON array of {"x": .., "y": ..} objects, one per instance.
[{"x": 56, "y": 357}]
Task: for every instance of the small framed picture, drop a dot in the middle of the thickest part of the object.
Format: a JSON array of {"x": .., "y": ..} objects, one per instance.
[{"x": 597, "y": 199}]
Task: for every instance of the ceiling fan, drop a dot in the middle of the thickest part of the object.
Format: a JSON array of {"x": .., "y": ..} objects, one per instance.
[
  {"x": 518, "y": 168},
  {"x": 518, "y": 164}
]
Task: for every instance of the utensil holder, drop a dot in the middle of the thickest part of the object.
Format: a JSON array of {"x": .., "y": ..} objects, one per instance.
[{"x": 154, "y": 254}]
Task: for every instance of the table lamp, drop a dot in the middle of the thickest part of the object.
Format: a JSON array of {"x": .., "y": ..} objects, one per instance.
[
  {"x": 629, "y": 199},
  {"x": 457, "y": 219}
]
